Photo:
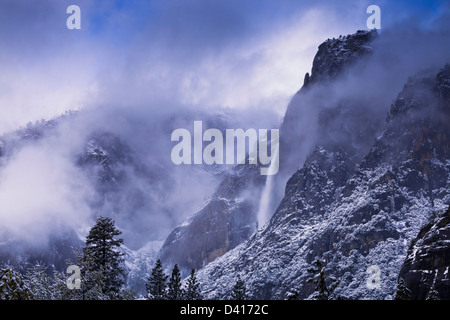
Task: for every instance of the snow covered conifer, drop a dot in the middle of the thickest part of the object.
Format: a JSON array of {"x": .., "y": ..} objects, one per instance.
[
  {"x": 321, "y": 290},
  {"x": 59, "y": 288},
  {"x": 403, "y": 293},
  {"x": 192, "y": 291},
  {"x": 175, "y": 292},
  {"x": 101, "y": 255},
  {"x": 239, "y": 290},
  {"x": 12, "y": 286},
  {"x": 433, "y": 294},
  {"x": 156, "y": 285},
  {"x": 292, "y": 295},
  {"x": 39, "y": 283}
]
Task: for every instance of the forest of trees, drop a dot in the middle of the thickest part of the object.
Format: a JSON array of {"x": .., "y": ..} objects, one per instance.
[{"x": 99, "y": 274}]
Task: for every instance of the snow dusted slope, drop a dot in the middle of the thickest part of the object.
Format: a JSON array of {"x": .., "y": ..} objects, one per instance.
[
  {"x": 325, "y": 111},
  {"x": 336, "y": 54},
  {"x": 223, "y": 222},
  {"x": 139, "y": 265},
  {"x": 230, "y": 216},
  {"x": 352, "y": 215}
]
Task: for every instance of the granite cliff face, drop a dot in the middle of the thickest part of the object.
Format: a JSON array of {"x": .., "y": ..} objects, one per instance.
[
  {"x": 321, "y": 113},
  {"x": 234, "y": 205},
  {"x": 428, "y": 260},
  {"x": 355, "y": 202},
  {"x": 223, "y": 222},
  {"x": 334, "y": 55}
]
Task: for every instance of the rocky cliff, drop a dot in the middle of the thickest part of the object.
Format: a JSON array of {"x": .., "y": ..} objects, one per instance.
[
  {"x": 353, "y": 203},
  {"x": 234, "y": 205},
  {"x": 224, "y": 221},
  {"x": 428, "y": 259}
]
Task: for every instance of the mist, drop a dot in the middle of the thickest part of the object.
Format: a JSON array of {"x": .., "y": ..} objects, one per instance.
[
  {"x": 41, "y": 191},
  {"x": 351, "y": 110},
  {"x": 136, "y": 71}
]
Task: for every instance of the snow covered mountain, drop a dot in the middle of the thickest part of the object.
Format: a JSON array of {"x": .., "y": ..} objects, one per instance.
[
  {"x": 363, "y": 172},
  {"x": 359, "y": 198},
  {"x": 125, "y": 176},
  {"x": 225, "y": 220},
  {"x": 231, "y": 215}
]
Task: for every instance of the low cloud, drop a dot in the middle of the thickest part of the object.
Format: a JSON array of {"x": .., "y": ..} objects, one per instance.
[
  {"x": 41, "y": 191},
  {"x": 141, "y": 69}
]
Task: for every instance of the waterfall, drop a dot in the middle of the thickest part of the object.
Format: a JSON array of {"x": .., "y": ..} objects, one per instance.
[
  {"x": 264, "y": 209},
  {"x": 264, "y": 202}
]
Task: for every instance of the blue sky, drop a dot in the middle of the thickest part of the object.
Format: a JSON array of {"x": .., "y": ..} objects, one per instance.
[{"x": 138, "y": 51}]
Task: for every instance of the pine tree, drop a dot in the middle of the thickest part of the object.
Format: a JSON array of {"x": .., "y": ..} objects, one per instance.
[
  {"x": 403, "y": 293},
  {"x": 433, "y": 294},
  {"x": 60, "y": 290},
  {"x": 12, "y": 286},
  {"x": 292, "y": 295},
  {"x": 175, "y": 292},
  {"x": 192, "y": 291},
  {"x": 239, "y": 290},
  {"x": 39, "y": 283},
  {"x": 94, "y": 282},
  {"x": 322, "y": 291},
  {"x": 102, "y": 261},
  {"x": 156, "y": 285}
]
